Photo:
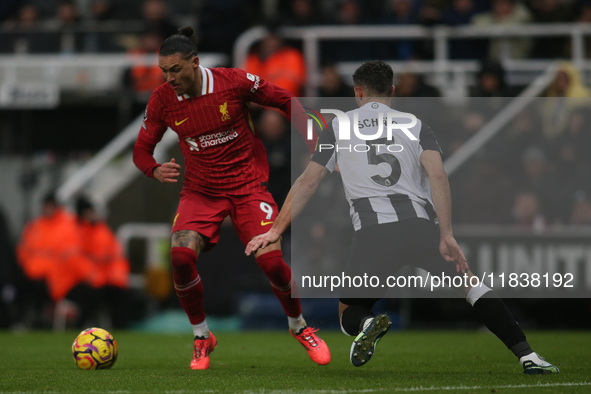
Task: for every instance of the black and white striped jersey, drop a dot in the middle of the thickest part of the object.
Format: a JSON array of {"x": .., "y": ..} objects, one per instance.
[{"x": 383, "y": 178}]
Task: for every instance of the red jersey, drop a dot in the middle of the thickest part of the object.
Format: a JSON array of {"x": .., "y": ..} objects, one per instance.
[{"x": 223, "y": 152}]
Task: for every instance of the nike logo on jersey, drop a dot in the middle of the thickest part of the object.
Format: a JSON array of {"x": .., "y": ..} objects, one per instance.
[
  {"x": 181, "y": 122},
  {"x": 263, "y": 223}
]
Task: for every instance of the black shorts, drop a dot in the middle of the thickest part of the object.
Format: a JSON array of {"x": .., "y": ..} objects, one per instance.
[{"x": 384, "y": 249}]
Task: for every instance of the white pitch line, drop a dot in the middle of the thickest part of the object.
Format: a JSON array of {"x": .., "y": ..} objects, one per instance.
[
  {"x": 421, "y": 388},
  {"x": 391, "y": 389}
]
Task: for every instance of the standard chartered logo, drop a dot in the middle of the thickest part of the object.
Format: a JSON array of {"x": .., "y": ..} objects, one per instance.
[{"x": 212, "y": 139}]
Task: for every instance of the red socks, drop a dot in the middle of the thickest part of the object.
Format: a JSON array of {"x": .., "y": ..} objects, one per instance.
[
  {"x": 279, "y": 274},
  {"x": 189, "y": 287},
  {"x": 187, "y": 283}
]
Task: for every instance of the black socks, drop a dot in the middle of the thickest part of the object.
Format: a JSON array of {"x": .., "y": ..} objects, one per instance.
[
  {"x": 493, "y": 312},
  {"x": 353, "y": 318}
]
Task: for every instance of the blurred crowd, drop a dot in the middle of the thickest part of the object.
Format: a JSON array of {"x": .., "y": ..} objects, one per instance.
[
  {"x": 67, "y": 270},
  {"x": 221, "y": 22},
  {"x": 536, "y": 172},
  {"x": 101, "y": 26}
]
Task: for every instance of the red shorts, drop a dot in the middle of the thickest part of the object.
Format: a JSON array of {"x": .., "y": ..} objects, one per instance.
[{"x": 251, "y": 214}]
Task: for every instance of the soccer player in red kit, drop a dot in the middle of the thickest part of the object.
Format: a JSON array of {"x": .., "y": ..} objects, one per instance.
[{"x": 226, "y": 174}]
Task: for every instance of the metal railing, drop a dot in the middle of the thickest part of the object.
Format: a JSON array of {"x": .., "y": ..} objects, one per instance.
[
  {"x": 89, "y": 175},
  {"x": 440, "y": 35},
  {"x": 496, "y": 124},
  {"x": 88, "y": 72}
]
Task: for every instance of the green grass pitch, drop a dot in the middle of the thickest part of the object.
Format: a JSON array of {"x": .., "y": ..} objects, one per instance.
[{"x": 273, "y": 362}]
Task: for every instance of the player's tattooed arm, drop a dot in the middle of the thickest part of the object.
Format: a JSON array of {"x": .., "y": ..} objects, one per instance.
[{"x": 188, "y": 239}]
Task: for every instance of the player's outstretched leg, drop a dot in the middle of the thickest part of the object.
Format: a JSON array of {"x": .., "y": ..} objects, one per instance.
[
  {"x": 364, "y": 345},
  {"x": 201, "y": 350},
  {"x": 491, "y": 311},
  {"x": 279, "y": 274}
]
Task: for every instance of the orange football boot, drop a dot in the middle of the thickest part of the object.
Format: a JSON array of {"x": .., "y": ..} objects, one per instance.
[
  {"x": 316, "y": 347},
  {"x": 201, "y": 352}
]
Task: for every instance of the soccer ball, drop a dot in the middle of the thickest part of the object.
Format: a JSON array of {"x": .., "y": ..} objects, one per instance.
[{"x": 94, "y": 348}]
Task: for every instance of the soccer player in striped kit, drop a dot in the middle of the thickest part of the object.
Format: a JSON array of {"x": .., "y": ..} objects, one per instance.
[
  {"x": 400, "y": 218},
  {"x": 226, "y": 174}
]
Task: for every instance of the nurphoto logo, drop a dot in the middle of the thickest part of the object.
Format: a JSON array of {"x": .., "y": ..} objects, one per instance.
[{"x": 345, "y": 124}]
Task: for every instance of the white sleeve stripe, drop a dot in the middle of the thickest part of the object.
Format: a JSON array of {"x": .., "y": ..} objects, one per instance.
[
  {"x": 204, "y": 77},
  {"x": 210, "y": 80}
]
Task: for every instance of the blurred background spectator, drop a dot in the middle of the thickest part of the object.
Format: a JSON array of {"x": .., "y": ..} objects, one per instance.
[
  {"x": 28, "y": 17},
  {"x": 101, "y": 10},
  {"x": 347, "y": 13},
  {"x": 74, "y": 268},
  {"x": 332, "y": 83},
  {"x": 565, "y": 95},
  {"x": 526, "y": 212},
  {"x": 107, "y": 290},
  {"x": 155, "y": 13},
  {"x": 506, "y": 12},
  {"x": 413, "y": 85},
  {"x": 302, "y": 13},
  {"x": 50, "y": 255},
  {"x": 145, "y": 75},
  {"x": 491, "y": 82},
  {"x": 460, "y": 13},
  {"x": 402, "y": 12},
  {"x": 142, "y": 78},
  {"x": 551, "y": 11},
  {"x": 67, "y": 14},
  {"x": 277, "y": 63}
]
